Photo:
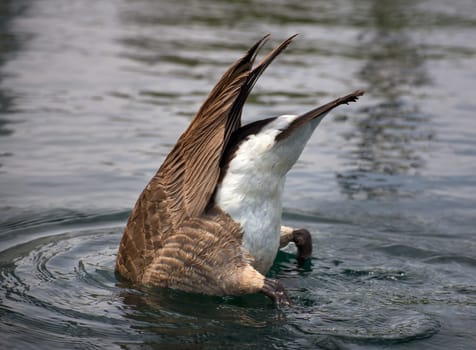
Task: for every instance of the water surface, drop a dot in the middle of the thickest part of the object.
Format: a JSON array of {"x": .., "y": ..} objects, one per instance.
[{"x": 93, "y": 95}]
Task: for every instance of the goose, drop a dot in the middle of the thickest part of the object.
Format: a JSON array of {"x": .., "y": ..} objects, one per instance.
[{"x": 209, "y": 220}]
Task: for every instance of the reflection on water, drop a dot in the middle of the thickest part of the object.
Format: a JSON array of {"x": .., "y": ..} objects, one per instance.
[
  {"x": 387, "y": 138},
  {"x": 10, "y": 42},
  {"x": 94, "y": 94}
]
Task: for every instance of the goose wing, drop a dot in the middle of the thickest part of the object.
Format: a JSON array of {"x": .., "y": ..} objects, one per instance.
[
  {"x": 185, "y": 182},
  {"x": 190, "y": 173}
]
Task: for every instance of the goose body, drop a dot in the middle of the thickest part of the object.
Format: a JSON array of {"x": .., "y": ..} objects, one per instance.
[{"x": 209, "y": 221}]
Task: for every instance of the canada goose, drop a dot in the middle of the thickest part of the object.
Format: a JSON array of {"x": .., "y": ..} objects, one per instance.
[{"x": 209, "y": 221}]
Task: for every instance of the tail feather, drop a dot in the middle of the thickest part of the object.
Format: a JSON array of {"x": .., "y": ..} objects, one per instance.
[{"x": 317, "y": 112}]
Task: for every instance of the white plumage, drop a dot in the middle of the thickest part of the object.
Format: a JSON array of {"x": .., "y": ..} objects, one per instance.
[{"x": 251, "y": 190}]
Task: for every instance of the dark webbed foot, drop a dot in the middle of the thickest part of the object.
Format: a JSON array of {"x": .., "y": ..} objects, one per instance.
[
  {"x": 301, "y": 237},
  {"x": 275, "y": 290}
]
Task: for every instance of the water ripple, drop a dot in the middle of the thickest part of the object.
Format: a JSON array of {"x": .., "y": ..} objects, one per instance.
[
  {"x": 63, "y": 288},
  {"x": 386, "y": 186}
]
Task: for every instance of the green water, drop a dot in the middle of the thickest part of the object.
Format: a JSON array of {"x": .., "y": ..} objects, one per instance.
[{"x": 93, "y": 95}]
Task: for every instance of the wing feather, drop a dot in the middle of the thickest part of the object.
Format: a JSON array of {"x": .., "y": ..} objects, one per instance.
[
  {"x": 185, "y": 182},
  {"x": 203, "y": 144},
  {"x": 200, "y": 147}
]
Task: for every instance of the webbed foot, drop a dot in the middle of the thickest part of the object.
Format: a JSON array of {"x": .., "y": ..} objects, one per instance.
[
  {"x": 302, "y": 239},
  {"x": 275, "y": 290}
]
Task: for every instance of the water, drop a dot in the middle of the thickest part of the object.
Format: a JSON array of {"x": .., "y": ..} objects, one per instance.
[{"x": 94, "y": 94}]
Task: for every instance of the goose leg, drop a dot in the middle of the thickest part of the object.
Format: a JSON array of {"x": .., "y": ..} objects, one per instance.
[{"x": 248, "y": 281}]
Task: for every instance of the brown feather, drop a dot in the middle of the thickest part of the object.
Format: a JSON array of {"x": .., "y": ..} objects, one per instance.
[
  {"x": 253, "y": 77},
  {"x": 203, "y": 255},
  {"x": 181, "y": 189},
  {"x": 201, "y": 145}
]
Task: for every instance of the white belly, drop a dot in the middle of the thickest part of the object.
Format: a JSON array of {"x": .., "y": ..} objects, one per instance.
[
  {"x": 251, "y": 190},
  {"x": 260, "y": 217}
]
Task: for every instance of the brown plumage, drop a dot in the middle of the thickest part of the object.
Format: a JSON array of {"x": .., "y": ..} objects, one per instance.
[
  {"x": 175, "y": 236},
  {"x": 169, "y": 239}
]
